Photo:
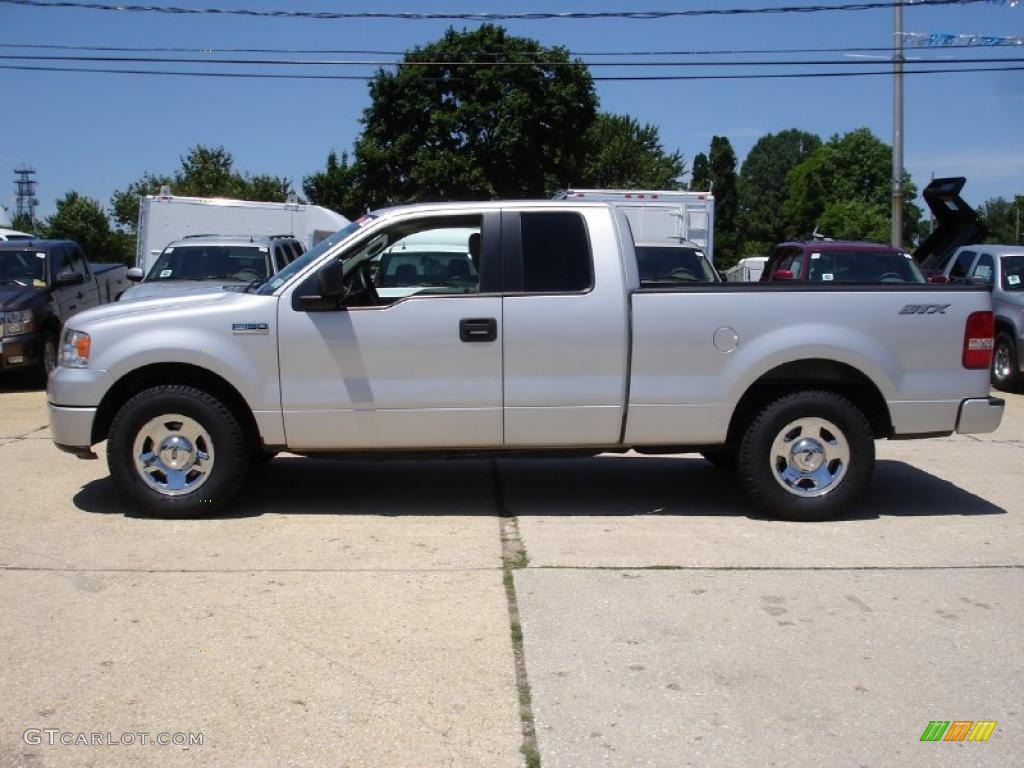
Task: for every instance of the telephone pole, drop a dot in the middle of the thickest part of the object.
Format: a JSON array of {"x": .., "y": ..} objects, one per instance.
[{"x": 897, "y": 127}]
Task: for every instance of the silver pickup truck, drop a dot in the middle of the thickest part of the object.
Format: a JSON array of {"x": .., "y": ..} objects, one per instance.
[{"x": 546, "y": 341}]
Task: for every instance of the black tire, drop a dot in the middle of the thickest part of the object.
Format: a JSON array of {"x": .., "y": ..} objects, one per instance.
[
  {"x": 222, "y": 437},
  {"x": 47, "y": 358},
  {"x": 261, "y": 458},
  {"x": 838, "y": 446},
  {"x": 724, "y": 458},
  {"x": 1005, "y": 363}
]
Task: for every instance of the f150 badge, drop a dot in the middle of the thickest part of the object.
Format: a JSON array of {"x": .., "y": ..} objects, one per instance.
[
  {"x": 238, "y": 328},
  {"x": 924, "y": 309}
]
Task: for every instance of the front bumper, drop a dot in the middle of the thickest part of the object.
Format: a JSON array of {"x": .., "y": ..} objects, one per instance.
[
  {"x": 71, "y": 428},
  {"x": 979, "y": 415},
  {"x": 18, "y": 352}
]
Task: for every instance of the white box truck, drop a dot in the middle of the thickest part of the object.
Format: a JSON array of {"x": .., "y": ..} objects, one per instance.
[
  {"x": 165, "y": 217},
  {"x": 659, "y": 216},
  {"x": 747, "y": 270}
]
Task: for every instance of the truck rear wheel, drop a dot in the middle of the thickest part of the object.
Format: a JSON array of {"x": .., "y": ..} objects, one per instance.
[
  {"x": 807, "y": 456},
  {"x": 177, "y": 451}
]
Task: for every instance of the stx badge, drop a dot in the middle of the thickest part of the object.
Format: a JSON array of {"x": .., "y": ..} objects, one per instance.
[{"x": 924, "y": 309}]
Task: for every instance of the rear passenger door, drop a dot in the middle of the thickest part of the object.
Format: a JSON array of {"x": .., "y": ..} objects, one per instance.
[{"x": 566, "y": 328}]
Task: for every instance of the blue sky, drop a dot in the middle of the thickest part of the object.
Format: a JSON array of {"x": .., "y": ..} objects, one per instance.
[{"x": 96, "y": 133}]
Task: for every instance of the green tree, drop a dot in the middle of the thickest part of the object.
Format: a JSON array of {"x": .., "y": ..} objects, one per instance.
[
  {"x": 204, "y": 172},
  {"x": 700, "y": 179},
  {"x": 624, "y": 154},
  {"x": 23, "y": 223},
  {"x": 855, "y": 167},
  {"x": 762, "y": 187},
  {"x": 476, "y": 115},
  {"x": 83, "y": 220},
  {"x": 335, "y": 187},
  {"x": 722, "y": 168},
  {"x": 1003, "y": 218}
]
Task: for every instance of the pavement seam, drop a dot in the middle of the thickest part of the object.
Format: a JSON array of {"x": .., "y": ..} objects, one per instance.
[
  {"x": 837, "y": 568},
  {"x": 74, "y": 569},
  {"x": 513, "y": 558}
]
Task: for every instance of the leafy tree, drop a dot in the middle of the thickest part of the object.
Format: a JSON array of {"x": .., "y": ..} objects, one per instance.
[
  {"x": 83, "y": 220},
  {"x": 722, "y": 167},
  {"x": 762, "y": 186},
  {"x": 1003, "y": 218},
  {"x": 23, "y": 223},
  {"x": 856, "y": 167},
  {"x": 625, "y": 154},
  {"x": 334, "y": 187},
  {"x": 511, "y": 123},
  {"x": 855, "y": 220},
  {"x": 700, "y": 179},
  {"x": 205, "y": 172}
]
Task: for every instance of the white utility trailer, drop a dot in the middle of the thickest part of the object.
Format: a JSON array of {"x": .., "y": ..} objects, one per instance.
[
  {"x": 165, "y": 217},
  {"x": 660, "y": 216}
]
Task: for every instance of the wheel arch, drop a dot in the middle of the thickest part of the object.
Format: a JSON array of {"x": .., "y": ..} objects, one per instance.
[
  {"x": 812, "y": 373},
  {"x": 156, "y": 374}
]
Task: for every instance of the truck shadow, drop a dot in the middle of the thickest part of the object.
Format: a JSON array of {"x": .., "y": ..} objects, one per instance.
[
  {"x": 614, "y": 486},
  {"x": 21, "y": 381}
]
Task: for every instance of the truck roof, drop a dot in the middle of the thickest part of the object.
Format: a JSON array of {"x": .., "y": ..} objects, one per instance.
[{"x": 32, "y": 245}]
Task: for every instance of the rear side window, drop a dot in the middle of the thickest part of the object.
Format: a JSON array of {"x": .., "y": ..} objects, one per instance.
[
  {"x": 963, "y": 263},
  {"x": 556, "y": 253}
]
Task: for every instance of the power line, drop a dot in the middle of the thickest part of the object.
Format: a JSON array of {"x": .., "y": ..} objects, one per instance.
[
  {"x": 449, "y": 16},
  {"x": 495, "y": 52},
  {"x": 607, "y": 78},
  {"x": 538, "y": 63}
]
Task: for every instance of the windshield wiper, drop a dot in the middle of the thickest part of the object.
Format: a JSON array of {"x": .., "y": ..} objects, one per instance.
[{"x": 12, "y": 282}]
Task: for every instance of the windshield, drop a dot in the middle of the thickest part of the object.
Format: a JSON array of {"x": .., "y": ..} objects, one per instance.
[
  {"x": 670, "y": 264},
  {"x": 212, "y": 262},
  {"x": 863, "y": 267},
  {"x": 23, "y": 268},
  {"x": 1013, "y": 272},
  {"x": 313, "y": 253}
]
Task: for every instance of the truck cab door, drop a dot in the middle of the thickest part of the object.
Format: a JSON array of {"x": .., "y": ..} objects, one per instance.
[
  {"x": 566, "y": 330},
  {"x": 416, "y": 367},
  {"x": 88, "y": 293}
]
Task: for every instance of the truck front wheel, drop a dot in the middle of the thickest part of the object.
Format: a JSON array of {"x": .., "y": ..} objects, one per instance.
[
  {"x": 807, "y": 456},
  {"x": 177, "y": 451}
]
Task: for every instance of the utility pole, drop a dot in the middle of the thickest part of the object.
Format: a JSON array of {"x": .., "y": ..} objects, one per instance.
[
  {"x": 26, "y": 186},
  {"x": 897, "y": 127}
]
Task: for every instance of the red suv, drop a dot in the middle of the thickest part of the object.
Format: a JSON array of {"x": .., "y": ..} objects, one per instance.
[{"x": 840, "y": 261}]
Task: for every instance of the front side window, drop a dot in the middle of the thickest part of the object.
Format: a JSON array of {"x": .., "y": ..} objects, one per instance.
[
  {"x": 1013, "y": 272},
  {"x": 212, "y": 262},
  {"x": 556, "y": 253},
  {"x": 436, "y": 259},
  {"x": 313, "y": 253}
]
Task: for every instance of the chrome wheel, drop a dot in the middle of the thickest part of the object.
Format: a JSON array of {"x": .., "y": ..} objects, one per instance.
[
  {"x": 1001, "y": 361},
  {"x": 173, "y": 454},
  {"x": 809, "y": 457}
]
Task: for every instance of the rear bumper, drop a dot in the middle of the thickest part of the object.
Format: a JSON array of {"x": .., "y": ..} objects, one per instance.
[
  {"x": 71, "y": 428},
  {"x": 979, "y": 415}
]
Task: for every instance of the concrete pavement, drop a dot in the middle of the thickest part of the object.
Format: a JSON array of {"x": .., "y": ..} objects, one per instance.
[{"x": 353, "y": 613}]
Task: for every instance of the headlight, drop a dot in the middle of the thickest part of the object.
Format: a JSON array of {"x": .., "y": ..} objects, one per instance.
[
  {"x": 74, "y": 349},
  {"x": 19, "y": 322}
]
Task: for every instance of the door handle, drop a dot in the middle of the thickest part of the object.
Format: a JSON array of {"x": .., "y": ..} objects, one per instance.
[{"x": 478, "y": 329}]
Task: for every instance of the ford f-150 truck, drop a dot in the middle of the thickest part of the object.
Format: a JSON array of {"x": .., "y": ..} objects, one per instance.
[
  {"x": 43, "y": 283},
  {"x": 555, "y": 345}
]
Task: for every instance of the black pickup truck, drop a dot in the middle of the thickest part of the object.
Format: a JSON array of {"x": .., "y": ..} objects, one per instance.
[{"x": 43, "y": 283}]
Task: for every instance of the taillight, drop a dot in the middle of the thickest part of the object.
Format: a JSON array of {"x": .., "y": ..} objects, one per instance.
[{"x": 978, "y": 333}]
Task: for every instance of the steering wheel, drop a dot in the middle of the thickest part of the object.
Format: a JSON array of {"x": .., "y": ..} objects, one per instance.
[
  {"x": 254, "y": 273},
  {"x": 360, "y": 290},
  {"x": 891, "y": 277},
  {"x": 682, "y": 274}
]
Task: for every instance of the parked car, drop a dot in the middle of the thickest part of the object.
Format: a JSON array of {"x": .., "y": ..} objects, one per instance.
[
  {"x": 554, "y": 347},
  {"x": 840, "y": 261},
  {"x": 201, "y": 263},
  {"x": 13, "y": 234},
  {"x": 673, "y": 263},
  {"x": 42, "y": 284},
  {"x": 1001, "y": 268}
]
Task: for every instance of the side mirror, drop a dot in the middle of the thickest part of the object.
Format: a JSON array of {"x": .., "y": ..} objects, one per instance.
[
  {"x": 135, "y": 274},
  {"x": 782, "y": 274},
  {"x": 67, "y": 278},
  {"x": 331, "y": 280}
]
